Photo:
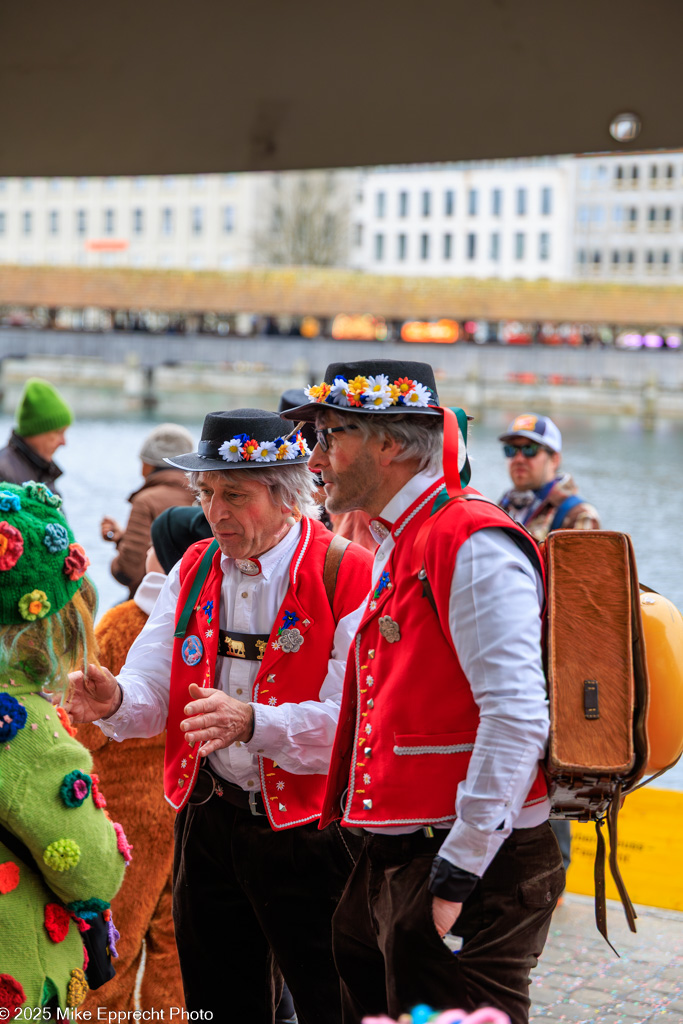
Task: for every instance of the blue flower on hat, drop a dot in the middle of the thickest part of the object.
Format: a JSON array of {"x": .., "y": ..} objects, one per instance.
[
  {"x": 9, "y": 502},
  {"x": 12, "y": 717},
  {"x": 56, "y": 538}
]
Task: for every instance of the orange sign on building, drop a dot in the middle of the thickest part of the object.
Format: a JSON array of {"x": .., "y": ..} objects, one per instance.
[{"x": 441, "y": 331}]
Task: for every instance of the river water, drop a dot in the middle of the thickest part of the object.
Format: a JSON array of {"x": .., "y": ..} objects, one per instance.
[{"x": 630, "y": 474}]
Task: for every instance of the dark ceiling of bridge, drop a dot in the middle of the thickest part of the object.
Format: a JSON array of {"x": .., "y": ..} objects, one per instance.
[{"x": 161, "y": 86}]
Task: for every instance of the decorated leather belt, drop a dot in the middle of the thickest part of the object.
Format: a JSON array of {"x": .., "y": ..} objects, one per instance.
[
  {"x": 250, "y": 646},
  {"x": 209, "y": 784}
]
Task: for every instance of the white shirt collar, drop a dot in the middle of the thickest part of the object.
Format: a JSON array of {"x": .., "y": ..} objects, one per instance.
[
  {"x": 409, "y": 493},
  {"x": 147, "y": 593},
  {"x": 273, "y": 557}
]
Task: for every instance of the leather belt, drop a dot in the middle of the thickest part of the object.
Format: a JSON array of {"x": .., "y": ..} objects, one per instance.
[
  {"x": 251, "y": 646},
  {"x": 209, "y": 784}
]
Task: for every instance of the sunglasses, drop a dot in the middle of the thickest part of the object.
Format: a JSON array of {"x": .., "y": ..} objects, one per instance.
[
  {"x": 529, "y": 451},
  {"x": 321, "y": 434}
]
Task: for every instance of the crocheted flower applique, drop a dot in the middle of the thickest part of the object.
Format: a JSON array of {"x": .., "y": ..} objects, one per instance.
[
  {"x": 76, "y": 562},
  {"x": 78, "y": 988},
  {"x": 9, "y": 502},
  {"x": 98, "y": 797},
  {"x": 12, "y": 995},
  {"x": 41, "y": 492},
  {"x": 62, "y": 854},
  {"x": 34, "y": 605},
  {"x": 56, "y": 538},
  {"x": 12, "y": 717},
  {"x": 9, "y": 876},
  {"x": 57, "y": 920},
  {"x": 75, "y": 788},
  {"x": 11, "y": 546},
  {"x": 124, "y": 847}
]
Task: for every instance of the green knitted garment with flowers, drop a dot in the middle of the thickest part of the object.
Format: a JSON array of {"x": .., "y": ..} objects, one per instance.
[{"x": 41, "y": 565}]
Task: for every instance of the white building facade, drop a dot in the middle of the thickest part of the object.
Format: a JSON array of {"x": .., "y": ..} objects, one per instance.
[
  {"x": 197, "y": 222},
  {"x": 628, "y": 220},
  {"x": 504, "y": 218},
  {"x": 607, "y": 217}
]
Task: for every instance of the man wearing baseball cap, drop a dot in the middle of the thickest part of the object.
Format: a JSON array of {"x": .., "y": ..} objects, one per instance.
[
  {"x": 444, "y": 717},
  {"x": 42, "y": 420},
  {"x": 542, "y": 498},
  {"x": 242, "y": 661}
]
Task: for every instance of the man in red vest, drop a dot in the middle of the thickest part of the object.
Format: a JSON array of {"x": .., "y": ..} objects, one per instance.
[
  {"x": 242, "y": 661},
  {"x": 444, "y": 716}
]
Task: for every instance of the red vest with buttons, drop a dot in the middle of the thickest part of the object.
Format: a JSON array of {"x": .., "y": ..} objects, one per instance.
[
  {"x": 282, "y": 678},
  {"x": 408, "y": 719}
]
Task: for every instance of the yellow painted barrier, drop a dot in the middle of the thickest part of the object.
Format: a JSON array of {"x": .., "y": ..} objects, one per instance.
[{"x": 649, "y": 850}]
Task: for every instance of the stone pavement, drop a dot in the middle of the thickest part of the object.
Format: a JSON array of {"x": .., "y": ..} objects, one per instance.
[{"x": 580, "y": 980}]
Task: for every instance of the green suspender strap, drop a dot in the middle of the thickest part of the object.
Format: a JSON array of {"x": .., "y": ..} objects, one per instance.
[{"x": 202, "y": 573}]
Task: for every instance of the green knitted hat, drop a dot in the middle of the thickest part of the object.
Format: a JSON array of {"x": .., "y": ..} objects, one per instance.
[
  {"x": 41, "y": 566},
  {"x": 41, "y": 408}
]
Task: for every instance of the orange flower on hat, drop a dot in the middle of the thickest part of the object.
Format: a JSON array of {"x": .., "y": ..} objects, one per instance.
[
  {"x": 249, "y": 448},
  {"x": 34, "y": 605},
  {"x": 318, "y": 392},
  {"x": 404, "y": 385}
]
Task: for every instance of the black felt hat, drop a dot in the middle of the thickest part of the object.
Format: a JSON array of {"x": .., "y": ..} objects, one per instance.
[
  {"x": 244, "y": 439},
  {"x": 410, "y": 388}
]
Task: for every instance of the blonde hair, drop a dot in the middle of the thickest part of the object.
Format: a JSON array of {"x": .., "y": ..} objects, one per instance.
[{"x": 48, "y": 649}]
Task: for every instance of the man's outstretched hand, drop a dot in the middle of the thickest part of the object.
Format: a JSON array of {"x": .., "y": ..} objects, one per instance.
[
  {"x": 94, "y": 694},
  {"x": 216, "y": 720}
]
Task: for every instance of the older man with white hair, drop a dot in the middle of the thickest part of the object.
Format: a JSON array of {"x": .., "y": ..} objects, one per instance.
[
  {"x": 444, "y": 717},
  {"x": 242, "y": 660}
]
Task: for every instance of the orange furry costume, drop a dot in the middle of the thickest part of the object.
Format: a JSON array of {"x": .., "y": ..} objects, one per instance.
[{"x": 131, "y": 776}]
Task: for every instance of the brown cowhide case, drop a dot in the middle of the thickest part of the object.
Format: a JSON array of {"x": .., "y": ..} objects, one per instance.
[{"x": 597, "y": 679}]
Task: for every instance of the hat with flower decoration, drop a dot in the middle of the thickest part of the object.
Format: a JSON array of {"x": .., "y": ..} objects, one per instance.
[
  {"x": 41, "y": 565},
  {"x": 372, "y": 385},
  {"x": 244, "y": 439}
]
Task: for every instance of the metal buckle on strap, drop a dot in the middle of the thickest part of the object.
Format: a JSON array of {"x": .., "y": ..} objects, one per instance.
[{"x": 252, "y": 805}]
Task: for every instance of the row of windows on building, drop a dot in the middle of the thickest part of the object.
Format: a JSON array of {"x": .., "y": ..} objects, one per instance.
[
  {"x": 626, "y": 259},
  {"x": 621, "y": 176},
  {"x": 429, "y": 247},
  {"x": 109, "y": 224},
  {"x": 655, "y": 218},
  {"x": 426, "y": 202},
  {"x": 168, "y": 182}
]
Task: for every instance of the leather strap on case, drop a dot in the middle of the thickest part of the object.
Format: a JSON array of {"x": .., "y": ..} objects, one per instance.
[{"x": 333, "y": 557}]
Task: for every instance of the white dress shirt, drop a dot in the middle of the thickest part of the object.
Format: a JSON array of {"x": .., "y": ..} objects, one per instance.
[
  {"x": 298, "y": 736},
  {"x": 495, "y": 600}
]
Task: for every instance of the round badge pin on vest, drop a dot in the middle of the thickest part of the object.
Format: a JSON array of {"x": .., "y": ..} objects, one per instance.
[{"x": 192, "y": 650}]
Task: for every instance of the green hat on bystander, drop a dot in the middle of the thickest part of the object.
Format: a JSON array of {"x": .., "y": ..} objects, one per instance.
[{"x": 41, "y": 409}]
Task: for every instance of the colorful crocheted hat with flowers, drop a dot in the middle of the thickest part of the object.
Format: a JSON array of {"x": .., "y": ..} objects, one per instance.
[
  {"x": 372, "y": 386},
  {"x": 41, "y": 565}
]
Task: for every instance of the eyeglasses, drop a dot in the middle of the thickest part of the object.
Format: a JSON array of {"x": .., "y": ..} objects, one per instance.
[
  {"x": 529, "y": 451},
  {"x": 321, "y": 435}
]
